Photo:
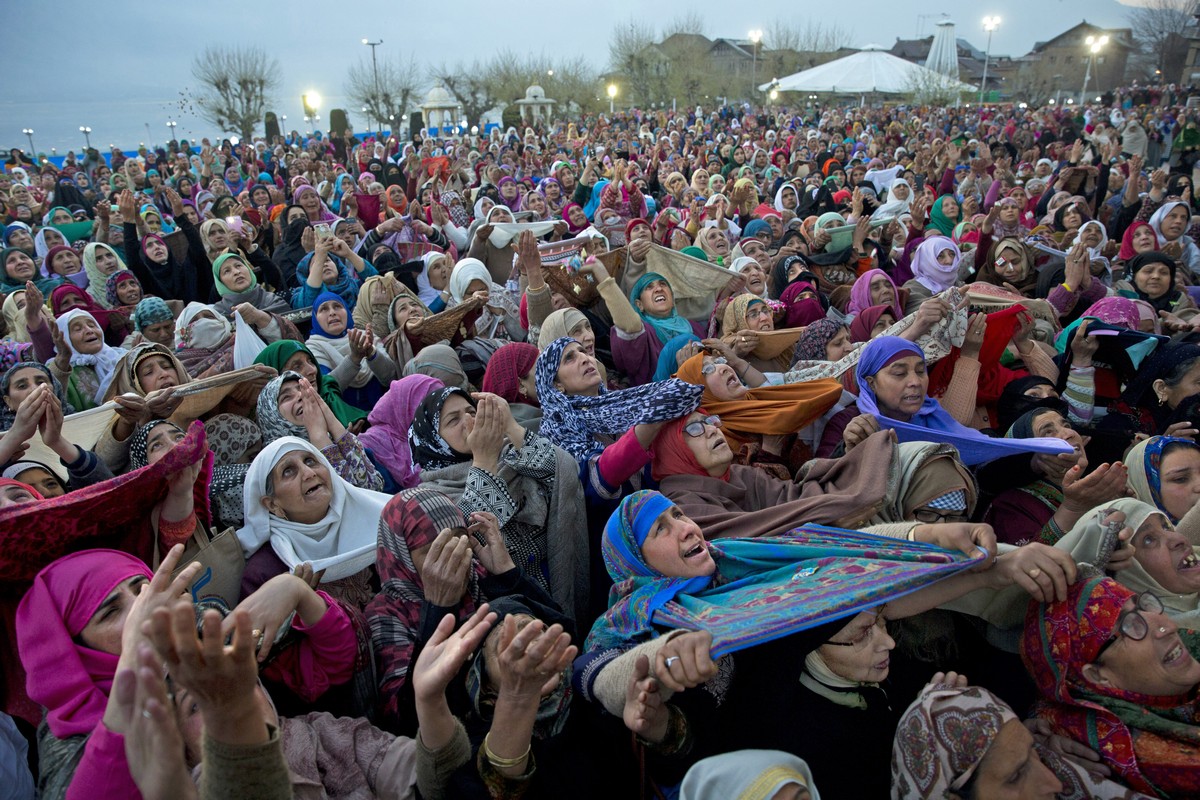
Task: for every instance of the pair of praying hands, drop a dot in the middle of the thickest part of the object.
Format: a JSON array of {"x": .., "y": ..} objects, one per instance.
[{"x": 446, "y": 570}]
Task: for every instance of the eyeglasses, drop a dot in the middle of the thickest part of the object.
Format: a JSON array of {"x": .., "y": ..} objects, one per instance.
[
  {"x": 1131, "y": 624},
  {"x": 711, "y": 366},
  {"x": 933, "y": 517},
  {"x": 696, "y": 429}
]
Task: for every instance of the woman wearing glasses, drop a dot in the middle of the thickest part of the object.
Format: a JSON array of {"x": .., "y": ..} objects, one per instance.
[
  {"x": 778, "y": 631},
  {"x": 1117, "y": 673},
  {"x": 758, "y": 421}
]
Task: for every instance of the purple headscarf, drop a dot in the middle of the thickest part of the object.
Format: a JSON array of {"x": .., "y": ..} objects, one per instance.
[
  {"x": 390, "y": 420},
  {"x": 860, "y": 292},
  {"x": 1116, "y": 311},
  {"x": 326, "y": 214},
  {"x": 928, "y": 272}
]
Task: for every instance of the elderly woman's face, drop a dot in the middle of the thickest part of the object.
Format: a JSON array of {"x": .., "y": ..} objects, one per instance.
[
  {"x": 710, "y": 448},
  {"x": 302, "y": 487},
  {"x": 456, "y": 422},
  {"x": 53, "y": 238},
  {"x": 675, "y": 547},
  {"x": 577, "y": 372},
  {"x": 1012, "y": 770},
  {"x": 1159, "y": 665},
  {"x": 839, "y": 346},
  {"x": 900, "y": 387},
  {"x": 1153, "y": 279},
  {"x": 21, "y": 238},
  {"x": 161, "y": 333},
  {"x": 586, "y": 337},
  {"x": 1091, "y": 236},
  {"x": 1167, "y": 556},
  {"x": 861, "y": 650},
  {"x": 66, "y": 262},
  {"x": 501, "y": 215},
  {"x": 1144, "y": 239},
  {"x": 718, "y": 243},
  {"x": 722, "y": 380},
  {"x": 85, "y": 335}
]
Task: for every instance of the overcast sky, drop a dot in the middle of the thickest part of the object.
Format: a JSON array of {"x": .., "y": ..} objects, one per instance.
[{"x": 120, "y": 64}]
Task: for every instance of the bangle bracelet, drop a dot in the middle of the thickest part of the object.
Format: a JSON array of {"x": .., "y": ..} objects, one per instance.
[
  {"x": 1068, "y": 288},
  {"x": 503, "y": 763}
]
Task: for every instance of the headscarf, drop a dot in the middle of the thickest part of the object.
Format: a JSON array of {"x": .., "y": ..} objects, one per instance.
[
  {"x": 671, "y": 454},
  {"x": 1144, "y": 461},
  {"x": 126, "y": 380},
  {"x": 72, "y": 681},
  {"x": 342, "y": 543},
  {"x": 1164, "y": 301},
  {"x": 111, "y": 298},
  {"x": 812, "y": 343},
  {"x": 665, "y": 328},
  {"x": 347, "y": 283},
  {"x": 1115, "y": 311},
  {"x": 894, "y": 208},
  {"x": 667, "y": 363},
  {"x": 104, "y": 362},
  {"x": 15, "y": 317},
  {"x": 932, "y": 422},
  {"x": 7, "y": 415},
  {"x": 1127, "y": 253},
  {"x": 425, "y": 290},
  {"x": 864, "y": 323},
  {"x": 8, "y": 284},
  {"x": 151, "y": 311},
  {"x": 429, "y": 450},
  {"x": 746, "y": 775},
  {"x": 784, "y": 585},
  {"x": 942, "y": 739},
  {"x": 323, "y": 214},
  {"x": 860, "y": 292},
  {"x": 96, "y": 279},
  {"x": 277, "y": 354},
  {"x": 410, "y": 520},
  {"x": 938, "y": 218},
  {"x": 928, "y": 271},
  {"x": 801, "y": 311},
  {"x": 572, "y": 422},
  {"x": 559, "y": 324},
  {"x": 390, "y": 419},
  {"x": 464, "y": 273},
  {"x": 439, "y": 361},
  {"x": 1135, "y": 733},
  {"x": 1156, "y": 221},
  {"x": 1014, "y": 403},
  {"x": 203, "y": 333},
  {"x": 271, "y": 421},
  {"x": 505, "y": 369},
  {"x": 58, "y": 299},
  {"x": 331, "y": 350}
]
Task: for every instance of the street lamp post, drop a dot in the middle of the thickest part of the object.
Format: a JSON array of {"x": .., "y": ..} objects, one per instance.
[
  {"x": 171, "y": 125},
  {"x": 29, "y": 134},
  {"x": 756, "y": 36},
  {"x": 1094, "y": 44},
  {"x": 989, "y": 24},
  {"x": 375, "y": 71},
  {"x": 87, "y": 135},
  {"x": 612, "y": 94}
]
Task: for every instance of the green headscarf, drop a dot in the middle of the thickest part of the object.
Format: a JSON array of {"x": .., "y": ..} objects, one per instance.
[
  {"x": 938, "y": 218},
  {"x": 276, "y": 355},
  {"x": 224, "y": 290},
  {"x": 8, "y": 285}
]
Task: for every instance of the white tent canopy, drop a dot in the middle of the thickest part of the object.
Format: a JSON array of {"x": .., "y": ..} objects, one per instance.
[{"x": 865, "y": 72}]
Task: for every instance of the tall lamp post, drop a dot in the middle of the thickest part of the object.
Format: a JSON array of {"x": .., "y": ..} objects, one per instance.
[
  {"x": 87, "y": 135},
  {"x": 29, "y": 134},
  {"x": 171, "y": 126},
  {"x": 375, "y": 72},
  {"x": 755, "y": 36},
  {"x": 1094, "y": 44},
  {"x": 989, "y": 24},
  {"x": 311, "y": 101},
  {"x": 612, "y": 94}
]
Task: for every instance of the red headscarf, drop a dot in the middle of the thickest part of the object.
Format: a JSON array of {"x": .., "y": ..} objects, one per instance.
[
  {"x": 1127, "y": 253},
  {"x": 59, "y": 296},
  {"x": 505, "y": 369},
  {"x": 671, "y": 454},
  {"x": 864, "y": 323},
  {"x": 72, "y": 681}
]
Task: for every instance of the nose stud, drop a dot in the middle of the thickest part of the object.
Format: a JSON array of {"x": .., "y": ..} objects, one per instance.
[{"x": 1162, "y": 629}]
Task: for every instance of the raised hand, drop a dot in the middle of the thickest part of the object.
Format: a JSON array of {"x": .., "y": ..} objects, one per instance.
[
  {"x": 447, "y": 650},
  {"x": 645, "y": 711}
]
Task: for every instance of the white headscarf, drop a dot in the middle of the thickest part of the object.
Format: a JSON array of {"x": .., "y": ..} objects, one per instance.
[
  {"x": 894, "y": 208},
  {"x": 104, "y": 362},
  {"x": 466, "y": 271},
  {"x": 745, "y": 773},
  {"x": 342, "y": 543},
  {"x": 201, "y": 334},
  {"x": 425, "y": 291},
  {"x": 1191, "y": 253},
  {"x": 1098, "y": 250}
]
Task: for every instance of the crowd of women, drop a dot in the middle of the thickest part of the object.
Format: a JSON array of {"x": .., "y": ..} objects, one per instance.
[{"x": 847, "y": 451}]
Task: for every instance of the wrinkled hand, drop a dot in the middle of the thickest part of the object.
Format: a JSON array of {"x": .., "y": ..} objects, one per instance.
[
  {"x": 1042, "y": 571},
  {"x": 446, "y": 569},
  {"x": 486, "y": 438},
  {"x": 1083, "y": 493},
  {"x": 645, "y": 711},
  {"x": 492, "y": 552},
  {"x": 685, "y": 662},
  {"x": 269, "y": 608},
  {"x": 976, "y": 330},
  {"x": 253, "y": 316},
  {"x": 858, "y": 429},
  {"x": 1083, "y": 347},
  {"x": 447, "y": 650},
  {"x": 531, "y": 661},
  {"x": 966, "y": 537}
]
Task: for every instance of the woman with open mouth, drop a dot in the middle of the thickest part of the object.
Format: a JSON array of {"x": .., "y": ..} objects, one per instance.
[
  {"x": 766, "y": 650},
  {"x": 1115, "y": 671}
]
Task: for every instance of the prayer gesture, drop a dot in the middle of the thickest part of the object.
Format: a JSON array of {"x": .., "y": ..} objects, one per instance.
[
  {"x": 175, "y": 200},
  {"x": 445, "y": 569},
  {"x": 486, "y": 438},
  {"x": 35, "y": 308},
  {"x": 362, "y": 343},
  {"x": 127, "y": 205},
  {"x": 645, "y": 713},
  {"x": 487, "y": 542},
  {"x": 1082, "y": 493},
  {"x": 446, "y": 651},
  {"x": 532, "y": 659}
]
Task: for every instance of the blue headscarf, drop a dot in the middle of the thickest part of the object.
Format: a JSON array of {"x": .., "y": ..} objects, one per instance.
[
  {"x": 594, "y": 202},
  {"x": 665, "y": 328},
  {"x": 932, "y": 423},
  {"x": 325, "y": 297},
  {"x": 768, "y": 587},
  {"x": 666, "y": 359},
  {"x": 346, "y": 286},
  {"x": 12, "y": 228},
  {"x": 1147, "y": 465}
]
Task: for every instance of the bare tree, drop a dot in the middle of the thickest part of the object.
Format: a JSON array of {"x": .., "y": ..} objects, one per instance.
[
  {"x": 689, "y": 22},
  {"x": 1160, "y": 27},
  {"x": 812, "y": 36},
  {"x": 392, "y": 95},
  {"x": 235, "y": 85},
  {"x": 633, "y": 59}
]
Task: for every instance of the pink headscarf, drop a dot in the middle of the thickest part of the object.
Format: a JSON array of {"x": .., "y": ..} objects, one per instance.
[
  {"x": 860, "y": 292},
  {"x": 390, "y": 420},
  {"x": 1115, "y": 311},
  {"x": 72, "y": 681}
]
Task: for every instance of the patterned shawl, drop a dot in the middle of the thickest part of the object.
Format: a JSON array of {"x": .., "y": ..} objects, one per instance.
[{"x": 767, "y": 588}]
